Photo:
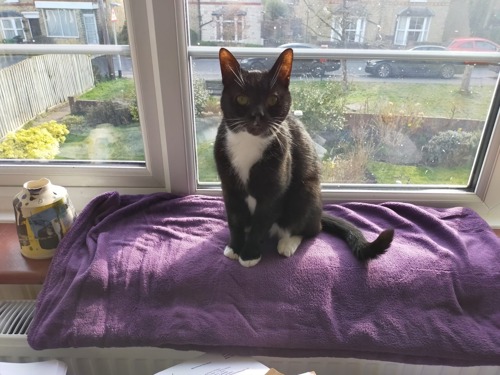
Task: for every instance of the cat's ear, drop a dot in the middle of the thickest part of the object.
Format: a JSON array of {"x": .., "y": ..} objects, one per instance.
[
  {"x": 229, "y": 66},
  {"x": 282, "y": 68}
]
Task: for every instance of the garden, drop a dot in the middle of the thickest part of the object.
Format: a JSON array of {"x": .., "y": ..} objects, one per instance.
[
  {"x": 382, "y": 133},
  {"x": 107, "y": 130}
]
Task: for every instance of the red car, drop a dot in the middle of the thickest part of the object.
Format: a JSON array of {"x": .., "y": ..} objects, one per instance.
[{"x": 473, "y": 44}]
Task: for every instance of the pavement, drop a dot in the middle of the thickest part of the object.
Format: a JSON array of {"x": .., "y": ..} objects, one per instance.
[{"x": 55, "y": 113}]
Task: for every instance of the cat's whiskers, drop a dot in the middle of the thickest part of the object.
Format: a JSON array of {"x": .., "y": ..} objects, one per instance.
[
  {"x": 237, "y": 123},
  {"x": 276, "y": 130},
  {"x": 238, "y": 78},
  {"x": 275, "y": 76}
]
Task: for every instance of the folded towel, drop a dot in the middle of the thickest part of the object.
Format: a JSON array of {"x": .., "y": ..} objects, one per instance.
[{"x": 149, "y": 270}]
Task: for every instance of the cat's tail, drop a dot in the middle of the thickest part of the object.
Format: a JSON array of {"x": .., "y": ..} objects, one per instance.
[{"x": 360, "y": 247}]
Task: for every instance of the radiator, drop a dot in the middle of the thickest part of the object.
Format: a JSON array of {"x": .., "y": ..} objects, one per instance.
[{"x": 16, "y": 316}]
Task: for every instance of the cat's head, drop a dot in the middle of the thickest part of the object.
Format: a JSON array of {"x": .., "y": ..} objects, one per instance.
[{"x": 255, "y": 101}]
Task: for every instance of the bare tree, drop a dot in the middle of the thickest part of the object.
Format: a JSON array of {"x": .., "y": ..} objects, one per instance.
[
  {"x": 344, "y": 15},
  {"x": 326, "y": 19}
]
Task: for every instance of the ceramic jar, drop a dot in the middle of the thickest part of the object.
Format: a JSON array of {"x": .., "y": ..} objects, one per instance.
[{"x": 44, "y": 214}]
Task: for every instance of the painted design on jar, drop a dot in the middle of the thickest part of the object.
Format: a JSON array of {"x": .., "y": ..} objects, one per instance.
[{"x": 44, "y": 214}]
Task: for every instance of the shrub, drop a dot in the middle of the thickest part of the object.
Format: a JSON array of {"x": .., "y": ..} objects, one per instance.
[
  {"x": 351, "y": 165},
  {"x": 39, "y": 142},
  {"x": 134, "y": 110},
  {"x": 108, "y": 112},
  {"x": 58, "y": 131},
  {"x": 76, "y": 124},
  {"x": 201, "y": 95},
  {"x": 451, "y": 148},
  {"x": 406, "y": 117},
  {"x": 123, "y": 34},
  {"x": 213, "y": 105},
  {"x": 349, "y": 168},
  {"x": 73, "y": 120},
  {"x": 321, "y": 105}
]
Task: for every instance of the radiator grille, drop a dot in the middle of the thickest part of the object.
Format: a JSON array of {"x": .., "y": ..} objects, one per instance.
[{"x": 16, "y": 317}]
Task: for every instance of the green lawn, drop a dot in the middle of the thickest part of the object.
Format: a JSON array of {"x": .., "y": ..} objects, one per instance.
[
  {"x": 384, "y": 173},
  {"x": 432, "y": 100},
  {"x": 107, "y": 142},
  {"x": 418, "y": 175},
  {"x": 120, "y": 88},
  {"x": 439, "y": 100}
]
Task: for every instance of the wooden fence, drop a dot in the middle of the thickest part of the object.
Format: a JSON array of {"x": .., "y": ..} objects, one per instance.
[{"x": 34, "y": 85}]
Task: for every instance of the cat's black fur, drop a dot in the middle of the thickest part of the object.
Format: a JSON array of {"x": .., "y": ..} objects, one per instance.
[{"x": 269, "y": 169}]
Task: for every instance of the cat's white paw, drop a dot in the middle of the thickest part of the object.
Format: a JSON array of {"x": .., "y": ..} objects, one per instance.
[
  {"x": 230, "y": 253},
  {"x": 288, "y": 245},
  {"x": 249, "y": 263}
]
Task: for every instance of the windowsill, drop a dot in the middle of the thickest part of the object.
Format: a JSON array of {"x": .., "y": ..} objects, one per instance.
[{"x": 16, "y": 269}]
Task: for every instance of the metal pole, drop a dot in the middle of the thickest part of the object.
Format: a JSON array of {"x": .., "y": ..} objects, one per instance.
[
  {"x": 104, "y": 29},
  {"x": 118, "y": 56}
]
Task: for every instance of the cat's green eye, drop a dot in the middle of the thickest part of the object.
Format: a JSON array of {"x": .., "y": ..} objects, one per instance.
[
  {"x": 242, "y": 100},
  {"x": 272, "y": 100}
]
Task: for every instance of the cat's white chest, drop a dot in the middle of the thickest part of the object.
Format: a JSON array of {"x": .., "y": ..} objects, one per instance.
[{"x": 244, "y": 151}]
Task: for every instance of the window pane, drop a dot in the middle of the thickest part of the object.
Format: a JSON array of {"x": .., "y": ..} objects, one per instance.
[
  {"x": 396, "y": 121},
  {"x": 70, "y": 106}
]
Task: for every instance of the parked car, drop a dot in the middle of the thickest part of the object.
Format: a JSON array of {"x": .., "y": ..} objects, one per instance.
[
  {"x": 314, "y": 67},
  {"x": 412, "y": 68},
  {"x": 473, "y": 45}
]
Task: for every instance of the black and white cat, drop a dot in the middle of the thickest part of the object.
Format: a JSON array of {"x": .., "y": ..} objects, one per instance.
[{"x": 269, "y": 169}]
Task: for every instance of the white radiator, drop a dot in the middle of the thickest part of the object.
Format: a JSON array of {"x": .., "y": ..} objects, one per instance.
[{"x": 16, "y": 316}]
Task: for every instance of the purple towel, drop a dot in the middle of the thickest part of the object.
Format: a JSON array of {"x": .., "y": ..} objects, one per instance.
[{"x": 149, "y": 270}]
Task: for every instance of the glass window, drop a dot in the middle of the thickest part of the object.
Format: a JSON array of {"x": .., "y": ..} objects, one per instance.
[
  {"x": 467, "y": 45},
  {"x": 485, "y": 46},
  {"x": 410, "y": 30},
  {"x": 61, "y": 23},
  {"x": 390, "y": 123},
  {"x": 70, "y": 110},
  {"x": 12, "y": 28},
  {"x": 90, "y": 26},
  {"x": 394, "y": 122},
  {"x": 353, "y": 31},
  {"x": 93, "y": 113},
  {"x": 229, "y": 24}
]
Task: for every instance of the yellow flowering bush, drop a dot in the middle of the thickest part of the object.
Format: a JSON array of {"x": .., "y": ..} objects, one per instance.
[{"x": 38, "y": 142}]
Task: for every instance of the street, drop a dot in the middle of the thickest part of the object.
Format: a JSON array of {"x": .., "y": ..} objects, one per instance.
[{"x": 209, "y": 69}]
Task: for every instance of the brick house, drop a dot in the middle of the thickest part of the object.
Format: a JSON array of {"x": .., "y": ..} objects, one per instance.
[
  {"x": 231, "y": 22},
  {"x": 349, "y": 23},
  {"x": 59, "y": 22}
]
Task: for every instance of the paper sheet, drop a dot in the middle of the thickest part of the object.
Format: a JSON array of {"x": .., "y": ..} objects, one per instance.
[
  {"x": 217, "y": 364},
  {"x": 52, "y": 367}
]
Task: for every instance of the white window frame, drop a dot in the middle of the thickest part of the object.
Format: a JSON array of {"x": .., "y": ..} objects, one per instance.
[
  {"x": 90, "y": 28},
  {"x": 237, "y": 23},
  {"x": 403, "y": 29},
  {"x": 13, "y": 28},
  {"x": 358, "y": 31},
  {"x": 61, "y": 15},
  {"x": 162, "y": 73}
]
